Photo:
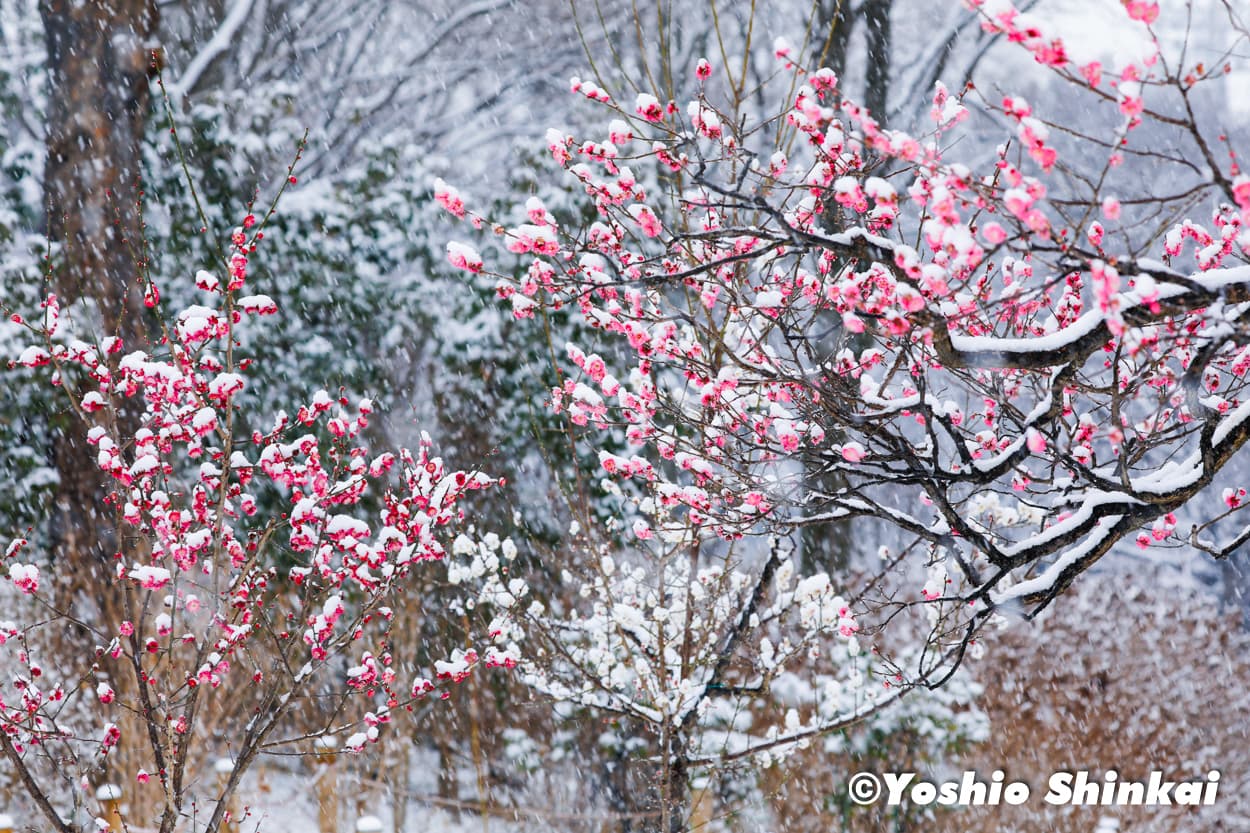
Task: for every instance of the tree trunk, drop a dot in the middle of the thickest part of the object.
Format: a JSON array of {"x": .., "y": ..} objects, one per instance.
[
  {"x": 674, "y": 793},
  {"x": 834, "y": 28},
  {"x": 448, "y": 782},
  {"x": 98, "y": 58},
  {"x": 877, "y": 73},
  {"x": 398, "y": 780},
  {"x": 98, "y": 101}
]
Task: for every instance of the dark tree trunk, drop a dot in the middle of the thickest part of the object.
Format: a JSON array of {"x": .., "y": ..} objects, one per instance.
[
  {"x": 877, "y": 73},
  {"x": 675, "y": 793},
  {"x": 834, "y": 25},
  {"x": 633, "y": 789},
  {"x": 98, "y": 59},
  {"x": 98, "y": 62}
]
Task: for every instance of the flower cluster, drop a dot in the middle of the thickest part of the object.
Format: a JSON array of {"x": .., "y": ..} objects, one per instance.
[
  {"x": 212, "y": 580},
  {"x": 945, "y": 338}
]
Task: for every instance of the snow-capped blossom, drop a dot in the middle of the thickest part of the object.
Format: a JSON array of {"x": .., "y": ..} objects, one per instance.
[
  {"x": 496, "y": 658},
  {"x": 1147, "y": 289},
  {"x": 464, "y": 256},
  {"x": 1241, "y": 191},
  {"x": 52, "y": 314},
  {"x": 111, "y": 736},
  {"x": 1131, "y": 102},
  {"x": 457, "y": 667},
  {"x": 1035, "y": 441},
  {"x": 853, "y": 452},
  {"x": 537, "y": 212},
  {"x": 619, "y": 133},
  {"x": 770, "y": 300},
  {"x": 935, "y": 586},
  {"x": 1163, "y": 527},
  {"x": 1019, "y": 201},
  {"x": 207, "y": 281},
  {"x": 149, "y": 577},
  {"x": 703, "y": 69},
  {"x": 257, "y": 305},
  {"x": 558, "y": 145},
  {"x": 611, "y": 463},
  {"x": 540, "y": 239},
  {"x": 847, "y": 192},
  {"x": 1095, "y": 233},
  {"x": 1033, "y": 134},
  {"x": 198, "y": 323},
  {"x": 1016, "y": 107},
  {"x": 881, "y": 191},
  {"x": 523, "y": 306},
  {"x": 589, "y": 89},
  {"x": 238, "y": 269},
  {"x": 224, "y": 385},
  {"x": 788, "y": 436},
  {"x": 704, "y": 120},
  {"x": 204, "y": 421},
  {"x": 947, "y": 110},
  {"x": 646, "y": 219},
  {"x": 449, "y": 198},
  {"x": 105, "y": 693},
  {"x": 1107, "y": 292},
  {"x": 25, "y": 577},
  {"x": 358, "y": 740},
  {"x": 648, "y": 107},
  {"x": 34, "y": 357},
  {"x": 1111, "y": 208}
]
